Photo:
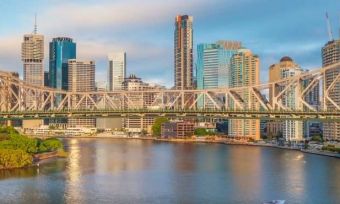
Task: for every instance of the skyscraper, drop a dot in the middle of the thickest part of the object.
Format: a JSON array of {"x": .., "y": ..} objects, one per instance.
[
  {"x": 81, "y": 75},
  {"x": 213, "y": 65},
  {"x": 183, "y": 52},
  {"x": 62, "y": 49},
  {"x": 32, "y": 54},
  {"x": 46, "y": 78},
  {"x": 32, "y": 50},
  {"x": 244, "y": 71},
  {"x": 331, "y": 55},
  {"x": 292, "y": 130},
  {"x": 117, "y": 70}
]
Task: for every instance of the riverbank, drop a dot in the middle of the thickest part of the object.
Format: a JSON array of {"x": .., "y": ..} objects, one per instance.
[{"x": 217, "y": 141}]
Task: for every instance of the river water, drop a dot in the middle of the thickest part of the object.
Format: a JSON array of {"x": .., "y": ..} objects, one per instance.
[{"x": 135, "y": 171}]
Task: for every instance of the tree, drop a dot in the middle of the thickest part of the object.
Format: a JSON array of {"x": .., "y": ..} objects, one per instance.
[
  {"x": 10, "y": 158},
  {"x": 317, "y": 138},
  {"x": 156, "y": 128},
  {"x": 200, "y": 132}
]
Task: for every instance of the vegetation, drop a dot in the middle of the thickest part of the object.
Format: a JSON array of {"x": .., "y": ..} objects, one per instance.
[
  {"x": 202, "y": 132},
  {"x": 317, "y": 138},
  {"x": 156, "y": 128},
  {"x": 10, "y": 158},
  {"x": 16, "y": 150},
  {"x": 331, "y": 148}
]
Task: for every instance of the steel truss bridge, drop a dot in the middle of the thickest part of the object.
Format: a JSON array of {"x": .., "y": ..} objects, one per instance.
[{"x": 311, "y": 95}]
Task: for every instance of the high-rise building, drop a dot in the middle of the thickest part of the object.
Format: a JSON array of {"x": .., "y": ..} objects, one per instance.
[
  {"x": 292, "y": 130},
  {"x": 46, "y": 78},
  {"x": 183, "y": 52},
  {"x": 244, "y": 71},
  {"x": 32, "y": 55},
  {"x": 116, "y": 71},
  {"x": 81, "y": 75},
  {"x": 32, "y": 50},
  {"x": 62, "y": 49},
  {"x": 213, "y": 66},
  {"x": 331, "y": 55}
]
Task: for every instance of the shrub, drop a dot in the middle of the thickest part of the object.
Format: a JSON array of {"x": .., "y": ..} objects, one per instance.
[
  {"x": 10, "y": 158},
  {"x": 200, "y": 132}
]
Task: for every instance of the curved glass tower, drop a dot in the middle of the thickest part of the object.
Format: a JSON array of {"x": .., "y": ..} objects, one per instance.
[{"x": 62, "y": 49}]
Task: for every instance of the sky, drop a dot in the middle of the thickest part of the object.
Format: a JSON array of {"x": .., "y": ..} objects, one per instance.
[{"x": 145, "y": 28}]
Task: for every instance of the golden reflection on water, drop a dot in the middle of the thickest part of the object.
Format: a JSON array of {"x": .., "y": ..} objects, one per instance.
[
  {"x": 127, "y": 156},
  {"x": 293, "y": 169},
  {"x": 73, "y": 173},
  {"x": 245, "y": 166}
]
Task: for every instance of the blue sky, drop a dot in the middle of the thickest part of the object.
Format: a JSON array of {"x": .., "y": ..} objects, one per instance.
[{"x": 144, "y": 29}]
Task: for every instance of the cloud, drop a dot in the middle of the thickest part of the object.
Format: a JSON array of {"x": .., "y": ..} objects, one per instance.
[
  {"x": 144, "y": 29},
  {"x": 120, "y": 15}
]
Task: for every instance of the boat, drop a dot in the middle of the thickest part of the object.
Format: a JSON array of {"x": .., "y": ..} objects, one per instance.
[{"x": 275, "y": 202}]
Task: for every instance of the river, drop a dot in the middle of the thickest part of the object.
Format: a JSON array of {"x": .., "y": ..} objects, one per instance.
[{"x": 136, "y": 171}]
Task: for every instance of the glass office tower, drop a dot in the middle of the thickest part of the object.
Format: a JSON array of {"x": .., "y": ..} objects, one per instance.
[
  {"x": 62, "y": 49},
  {"x": 213, "y": 66}
]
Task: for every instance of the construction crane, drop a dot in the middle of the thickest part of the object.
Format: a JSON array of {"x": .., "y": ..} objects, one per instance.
[{"x": 330, "y": 34}]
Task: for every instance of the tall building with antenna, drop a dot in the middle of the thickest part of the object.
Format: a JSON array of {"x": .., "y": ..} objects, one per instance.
[
  {"x": 32, "y": 55},
  {"x": 331, "y": 55}
]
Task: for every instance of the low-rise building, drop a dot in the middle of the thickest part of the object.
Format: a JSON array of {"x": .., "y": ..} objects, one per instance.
[{"x": 178, "y": 129}]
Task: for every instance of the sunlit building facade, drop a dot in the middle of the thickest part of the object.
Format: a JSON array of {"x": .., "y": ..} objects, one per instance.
[
  {"x": 32, "y": 55},
  {"x": 183, "y": 52},
  {"x": 81, "y": 75},
  {"x": 139, "y": 101},
  {"x": 292, "y": 130},
  {"x": 244, "y": 71},
  {"x": 116, "y": 71},
  {"x": 331, "y": 55}
]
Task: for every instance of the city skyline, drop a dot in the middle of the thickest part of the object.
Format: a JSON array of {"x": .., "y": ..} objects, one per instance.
[{"x": 301, "y": 35}]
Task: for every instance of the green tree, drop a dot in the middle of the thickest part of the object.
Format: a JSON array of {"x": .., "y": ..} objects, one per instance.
[
  {"x": 10, "y": 158},
  {"x": 317, "y": 138},
  {"x": 200, "y": 132},
  {"x": 52, "y": 144},
  {"x": 156, "y": 128}
]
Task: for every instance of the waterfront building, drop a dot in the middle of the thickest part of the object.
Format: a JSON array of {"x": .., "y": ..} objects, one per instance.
[
  {"x": 331, "y": 55},
  {"x": 274, "y": 129},
  {"x": 62, "y": 49},
  {"x": 177, "y": 129},
  {"x": 213, "y": 67},
  {"x": 139, "y": 101},
  {"x": 312, "y": 128},
  {"x": 81, "y": 75},
  {"x": 292, "y": 130},
  {"x": 244, "y": 71},
  {"x": 183, "y": 52},
  {"x": 116, "y": 71},
  {"x": 106, "y": 123}
]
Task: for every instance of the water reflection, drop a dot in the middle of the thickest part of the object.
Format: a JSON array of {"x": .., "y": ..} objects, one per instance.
[{"x": 116, "y": 171}]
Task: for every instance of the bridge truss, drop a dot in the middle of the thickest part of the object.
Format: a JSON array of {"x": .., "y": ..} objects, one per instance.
[{"x": 265, "y": 101}]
